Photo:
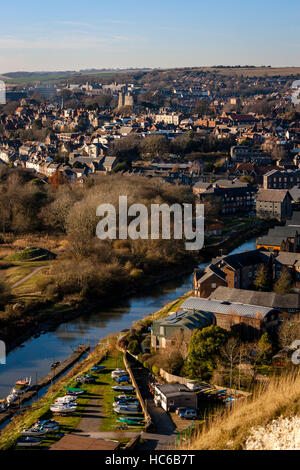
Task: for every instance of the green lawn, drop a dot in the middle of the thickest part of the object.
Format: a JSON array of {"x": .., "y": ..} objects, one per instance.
[{"x": 109, "y": 422}]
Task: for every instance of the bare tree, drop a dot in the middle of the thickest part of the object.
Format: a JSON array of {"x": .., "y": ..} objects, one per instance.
[
  {"x": 231, "y": 355},
  {"x": 289, "y": 332}
]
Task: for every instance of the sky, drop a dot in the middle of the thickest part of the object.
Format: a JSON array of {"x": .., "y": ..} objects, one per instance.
[{"x": 73, "y": 35}]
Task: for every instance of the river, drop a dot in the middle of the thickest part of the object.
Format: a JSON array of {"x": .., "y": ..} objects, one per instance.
[{"x": 36, "y": 355}]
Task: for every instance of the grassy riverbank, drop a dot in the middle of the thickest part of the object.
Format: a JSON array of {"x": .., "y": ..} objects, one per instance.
[{"x": 106, "y": 354}]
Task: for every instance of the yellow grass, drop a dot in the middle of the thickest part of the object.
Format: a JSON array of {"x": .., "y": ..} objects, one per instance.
[{"x": 229, "y": 430}]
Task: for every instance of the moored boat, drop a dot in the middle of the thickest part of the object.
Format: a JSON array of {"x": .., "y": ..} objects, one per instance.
[
  {"x": 35, "y": 431},
  {"x": 27, "y": 441},
  {"x": 21, "y": 386},
  {"x": 3, "y": 405},
  {"x": 123, "y": 388},
  {"x": 74, "y": 391},
  {"x": 11, "y": 398},
  {"x": 126, "y": 410},
  {"x": 131, "y": 420}
]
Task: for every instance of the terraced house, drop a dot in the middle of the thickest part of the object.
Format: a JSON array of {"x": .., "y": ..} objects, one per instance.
[
  {"x": 274, "y": 204},
  {"x": 234, "y": 271}
]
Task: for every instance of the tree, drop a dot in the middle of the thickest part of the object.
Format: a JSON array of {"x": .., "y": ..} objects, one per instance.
[
  {"x": 57, "y": 179},
  {"x": 284, "y": 284},
  {"x": 263, "y": 279},
  {"x": 202, "y": 107},
  {"x": 260, "y": 353},
  {"x": 204, "y": 348},
  {"x": 289, "y": 332},
  {"x": 230, "y": 354},
  {"x": 247, "y": 179},
  {"x": 154, "y": 145}
]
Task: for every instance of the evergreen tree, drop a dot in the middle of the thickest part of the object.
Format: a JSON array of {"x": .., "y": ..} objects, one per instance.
[
  {"x": 204, "y": 348},
  {"x": 263, "y": 281}
]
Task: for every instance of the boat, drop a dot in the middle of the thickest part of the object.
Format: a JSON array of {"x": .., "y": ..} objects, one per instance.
[
  {"x": 125, "y": 378},
  {"x": 123, "y": 388},
  {"x": 125, "y": 410},
  {"x": 35, "y": 432},
  {"x": 128, "y": 407},
  {"x": 125, "y": 397},
  {"x": 66, "y": 399},
  {"x": 27, "y": 441},
  {"x": 126, "y": 402},
  {"x": 11, "y": 398},
  {"x": 97, "y": 368},
  {"x": 63, "y": 407},
  {"x": 46, "y": 423},
  {"x": 118, "y": 373},
  {"x": 132, "y": 420},
  {"x": 54, "y": 365},
  {"x": 21, "y": 386},
  {"x": 3, "y": 405},
  {"x": 74, "y": 391}
]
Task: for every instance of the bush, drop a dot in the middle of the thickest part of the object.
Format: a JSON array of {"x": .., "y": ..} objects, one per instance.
[
  {"x": 134, "y": 347},
  {"x": 136, "y": 273},
  {"x": 155, "y": 370}
]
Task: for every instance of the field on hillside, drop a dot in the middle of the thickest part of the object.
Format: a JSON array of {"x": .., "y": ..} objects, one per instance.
[
  {"x": 234, "y": 430},
  {"x": 55, "y": 77}
]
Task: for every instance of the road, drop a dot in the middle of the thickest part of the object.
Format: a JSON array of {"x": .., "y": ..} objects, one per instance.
[
  {"x": 35, "y": 271},
  {"x": 163, "y": 434}
]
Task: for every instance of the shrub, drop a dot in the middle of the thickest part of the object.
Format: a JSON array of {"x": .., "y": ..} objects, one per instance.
[
  {"x": 134, "y": 347},
  {"x": 136, "y": 273},
  {"x": 155, "y": 370}
]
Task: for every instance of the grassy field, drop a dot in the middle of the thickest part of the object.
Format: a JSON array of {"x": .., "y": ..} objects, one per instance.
[
  {"x": 105, "y": 354},
  {"x": 109, "y": 421},
  {"x": 40, "y": 409}
]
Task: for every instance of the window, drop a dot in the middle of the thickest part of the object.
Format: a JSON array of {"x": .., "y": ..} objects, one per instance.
[{"x": 214, "y": 285}]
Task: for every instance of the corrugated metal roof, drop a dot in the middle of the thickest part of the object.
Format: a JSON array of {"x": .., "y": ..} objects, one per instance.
[{"x": 214, "y": 306}]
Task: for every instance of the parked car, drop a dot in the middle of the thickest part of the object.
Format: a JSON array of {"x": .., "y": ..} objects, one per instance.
[
  {"x": 188, "y": 414},
  {"x": 180, "y": 410}
]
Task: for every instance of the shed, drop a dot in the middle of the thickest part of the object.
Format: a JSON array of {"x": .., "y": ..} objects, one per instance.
[{"x": 172, "y": 396}]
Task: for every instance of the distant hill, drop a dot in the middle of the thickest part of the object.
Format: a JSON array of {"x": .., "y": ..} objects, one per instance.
[{"x": 27, "y": 78}]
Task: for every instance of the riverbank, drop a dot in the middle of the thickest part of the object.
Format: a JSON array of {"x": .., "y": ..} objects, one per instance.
[
  {"x": 49, "y": 378},
  {"x": 51, "y": 317},
  {"x": 40, "y": 409}
]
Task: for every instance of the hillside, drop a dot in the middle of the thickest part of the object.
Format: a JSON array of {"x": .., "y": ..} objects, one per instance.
[{"x": 269, "y": 420}]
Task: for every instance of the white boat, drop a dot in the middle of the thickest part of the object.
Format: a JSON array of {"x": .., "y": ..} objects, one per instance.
[
  {"x": 63, "y": 407},
  {"x": 123, "y": 388},
  {"x": 21, "y": 386},
  {"x": 12, "y": 398},
  {"x": 28, "y": 441},
  {"x": 118, "y": 373},
  {"x": 116, "y": 406},
  {"x": 35, "y": 432},
  {"x": 66, "y": 399}
]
